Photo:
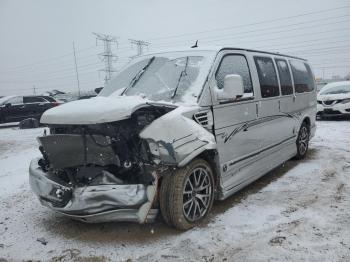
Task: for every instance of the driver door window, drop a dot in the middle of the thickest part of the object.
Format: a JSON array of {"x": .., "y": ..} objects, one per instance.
[{"x": 235, "y": 64}]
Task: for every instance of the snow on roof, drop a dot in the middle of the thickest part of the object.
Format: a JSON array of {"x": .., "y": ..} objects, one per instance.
[{"x": 215, "y": 49}]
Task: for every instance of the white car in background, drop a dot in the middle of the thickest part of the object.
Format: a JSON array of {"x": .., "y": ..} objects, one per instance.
[{"x": 334, "y": 99}]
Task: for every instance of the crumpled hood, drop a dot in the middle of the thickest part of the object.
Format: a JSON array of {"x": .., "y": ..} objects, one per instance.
[{"x": 94, "y": 110}]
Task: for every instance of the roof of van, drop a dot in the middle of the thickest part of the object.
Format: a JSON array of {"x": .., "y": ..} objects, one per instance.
[{"x": 219, "y": 48}]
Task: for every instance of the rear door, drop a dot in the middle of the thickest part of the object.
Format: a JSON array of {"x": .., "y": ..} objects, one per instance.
[
  {"x": 287, "y": 99},
  {"x": 15, "y": 110},
  {"x": 271, "y": 120},
  {"x": 36, "y": 106},
  {"x": 304, "y": 85}
]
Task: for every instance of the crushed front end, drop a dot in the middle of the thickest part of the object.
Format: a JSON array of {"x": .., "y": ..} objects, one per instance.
[{"x": 99, "y": 172}]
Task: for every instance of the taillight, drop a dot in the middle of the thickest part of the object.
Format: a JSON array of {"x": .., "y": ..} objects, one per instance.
[{"x": 55, "y": 103}]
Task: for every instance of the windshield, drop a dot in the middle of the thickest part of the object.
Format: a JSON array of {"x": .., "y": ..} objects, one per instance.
[
  {"x": 343, "y": 89},
  {"x": 4, "y": 99},
  {"x": 171, "y": 77}
]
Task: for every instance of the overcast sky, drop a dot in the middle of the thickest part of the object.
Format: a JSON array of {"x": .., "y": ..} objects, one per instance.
[{"x": 37, "y": 36}]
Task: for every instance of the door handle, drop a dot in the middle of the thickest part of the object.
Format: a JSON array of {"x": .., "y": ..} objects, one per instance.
[{"x": 257, "y": 110}]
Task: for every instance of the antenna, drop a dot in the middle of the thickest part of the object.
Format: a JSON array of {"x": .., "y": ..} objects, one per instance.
[
  {"x": 107, "y": 56},
  {"x": 195, "y": 45}
]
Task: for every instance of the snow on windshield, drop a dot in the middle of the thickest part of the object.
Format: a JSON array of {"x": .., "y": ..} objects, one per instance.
[
  {"x": 5, "y": 99},
  {"x": 176, "y": 77}
]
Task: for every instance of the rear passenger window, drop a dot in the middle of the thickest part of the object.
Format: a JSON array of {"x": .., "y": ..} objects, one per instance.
[
  {"x": 285, "y": 78},
  {"x": 234, "y": 64},
  {"x": 302, "y": 75},
  {"x": 33, "y": 99},
  {"x": 267, "y": 77}
]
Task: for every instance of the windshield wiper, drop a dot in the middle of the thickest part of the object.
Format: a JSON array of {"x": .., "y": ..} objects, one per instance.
[
  {"x": 139, "y": 74},
  {"x": 183, "y": 73}
]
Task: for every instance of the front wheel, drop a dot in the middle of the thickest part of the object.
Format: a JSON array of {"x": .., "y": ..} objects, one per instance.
[
  {"x": 187, "y": 195},
  {"x": 302, "y": 141}
]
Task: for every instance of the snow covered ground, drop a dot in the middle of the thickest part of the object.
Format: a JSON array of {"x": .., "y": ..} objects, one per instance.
[{"x": 298, "y": 212}]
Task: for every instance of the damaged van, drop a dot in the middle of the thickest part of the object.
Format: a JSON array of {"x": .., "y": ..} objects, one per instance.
[{"x": 172, "y": 132}]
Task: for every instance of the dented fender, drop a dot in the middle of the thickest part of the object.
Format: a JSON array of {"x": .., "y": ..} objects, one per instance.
[{"x": 176, "y": 139}]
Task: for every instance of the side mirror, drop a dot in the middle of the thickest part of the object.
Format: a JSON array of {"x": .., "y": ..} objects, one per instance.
[
  {"x": 233, "y": 88},
  {"x": 7, "y": 104}
]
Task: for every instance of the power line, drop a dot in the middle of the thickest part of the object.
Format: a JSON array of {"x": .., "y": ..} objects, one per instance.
[
  {"x": 67, "y": 55},
  {"x": 252, "y": 24},
  {"x": 243, "y": 33},
  {"x": 76, "y": 69},
  {"x": 285, "y": 46}
]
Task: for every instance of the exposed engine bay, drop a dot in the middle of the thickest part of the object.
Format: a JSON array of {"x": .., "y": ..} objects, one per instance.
[{"x": 105, "y": 153}]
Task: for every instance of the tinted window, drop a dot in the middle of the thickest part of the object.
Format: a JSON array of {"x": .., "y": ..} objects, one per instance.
[
  {"x": 302, "y": 75},
  {"x": 49, "y": 98},
  {"x": 267, "y": 77},
  {"x": 285, "y": 77},
  {"x": 33, "y": 99},
  {"x": 16, "y": 100},
  {"x": 234, "y": 64}
]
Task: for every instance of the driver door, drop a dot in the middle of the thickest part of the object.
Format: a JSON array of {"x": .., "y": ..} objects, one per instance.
[
  {"x": 236, "y": 134},
  {"x": 14, "y": 109}
]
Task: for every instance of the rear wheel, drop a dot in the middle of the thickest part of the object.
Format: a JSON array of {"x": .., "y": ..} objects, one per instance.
[
  {"x": 302, "y": 141},
  {"x": 189, "y": 195}
]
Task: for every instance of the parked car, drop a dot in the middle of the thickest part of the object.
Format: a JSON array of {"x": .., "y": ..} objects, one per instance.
[
  {"x": 17, "y": 108},
  {"x": 173, "y": 132},
  {"x": 334, "y": 100}
]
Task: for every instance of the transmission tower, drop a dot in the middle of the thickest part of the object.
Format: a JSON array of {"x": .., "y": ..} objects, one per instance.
[
  {"x": 107, "y": 56},
  {"x": 139, "y": 45}
]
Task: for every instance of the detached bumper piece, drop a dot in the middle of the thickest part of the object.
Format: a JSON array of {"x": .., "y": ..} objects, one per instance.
[{"x": 97, "y": 203}]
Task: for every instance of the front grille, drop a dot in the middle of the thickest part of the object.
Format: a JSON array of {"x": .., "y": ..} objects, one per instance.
[
  {"x": 331, "y": 112},
  {"x": 328, "y": 102}
]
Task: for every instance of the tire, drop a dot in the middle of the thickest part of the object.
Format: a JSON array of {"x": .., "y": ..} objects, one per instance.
[
  {"x": 302, "y": 141},
  {"x": 29, "y": 123},
  {"x": 187, "y": 195},
  {"x": 164, "y": 198}
]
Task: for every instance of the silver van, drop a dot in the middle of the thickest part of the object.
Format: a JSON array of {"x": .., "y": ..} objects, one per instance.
[{"x": 173, "y": 132}]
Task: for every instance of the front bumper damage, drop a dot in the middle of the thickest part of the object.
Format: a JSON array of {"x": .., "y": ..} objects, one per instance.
[{"x": 97, "y": 203}]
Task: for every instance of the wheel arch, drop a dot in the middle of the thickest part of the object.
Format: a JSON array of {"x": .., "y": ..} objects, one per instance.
[
  {"x": 211, "y": 157},
  {"x": 307, "y": 121}
]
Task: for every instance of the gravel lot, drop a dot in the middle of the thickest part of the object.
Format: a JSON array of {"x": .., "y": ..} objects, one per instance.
[{"x": 298, "y": 212}]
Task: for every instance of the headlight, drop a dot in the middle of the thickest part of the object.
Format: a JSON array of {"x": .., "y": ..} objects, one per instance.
[{"x": 345, "y": 101}]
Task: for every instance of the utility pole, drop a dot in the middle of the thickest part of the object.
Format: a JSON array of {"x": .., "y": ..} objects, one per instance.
[
  {"x": 140, "y": 44},
  {"x": 107, "y": 56},
  {"x": 34, "y": 90},
  {"x": 76, "y": 69}
]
